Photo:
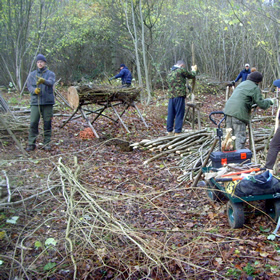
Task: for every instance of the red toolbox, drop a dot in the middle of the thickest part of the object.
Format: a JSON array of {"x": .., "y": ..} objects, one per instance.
[{"x": 238, "y": 156}]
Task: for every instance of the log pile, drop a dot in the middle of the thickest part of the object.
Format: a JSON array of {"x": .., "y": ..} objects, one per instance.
[{"x": 83, "y": 95}]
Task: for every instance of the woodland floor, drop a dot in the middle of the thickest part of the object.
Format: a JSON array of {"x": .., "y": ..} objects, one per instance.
[{"x": 89, "y": 210}]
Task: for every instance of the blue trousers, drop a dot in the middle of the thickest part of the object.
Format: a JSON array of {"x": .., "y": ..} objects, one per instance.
[{"x": 176, "y": 112}]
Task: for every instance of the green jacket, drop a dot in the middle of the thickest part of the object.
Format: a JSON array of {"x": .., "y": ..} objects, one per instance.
[
  {"x": 244, "y": 96},
  {"x": 177, "y": 82}
]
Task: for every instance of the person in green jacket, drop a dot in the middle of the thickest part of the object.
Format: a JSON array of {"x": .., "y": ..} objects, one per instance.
[{"x": 239, "y": 105}]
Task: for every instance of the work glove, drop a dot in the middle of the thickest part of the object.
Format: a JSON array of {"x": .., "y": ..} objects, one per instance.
[
  {"x": 40, "y": 81},
  {"x": 233, "y": 83},
  {"x": 110, "y": 79},
  {"x": 194, "y": 69},
  {"x": 37, "y": 90}
]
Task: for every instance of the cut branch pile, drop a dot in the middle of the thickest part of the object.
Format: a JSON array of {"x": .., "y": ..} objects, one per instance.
[
  {"x": 82, "y": 95},
  {"x": 12, "y": 123},
  {"x": 262, "y": 138},
  {"x": 193, "y": 147},
  {"x": 95, "y": 229}
]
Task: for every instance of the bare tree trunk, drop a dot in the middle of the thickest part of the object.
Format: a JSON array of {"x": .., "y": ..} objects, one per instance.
[
  {"x": 144, "y": 56},
  {"x": 135, "y": 39}
]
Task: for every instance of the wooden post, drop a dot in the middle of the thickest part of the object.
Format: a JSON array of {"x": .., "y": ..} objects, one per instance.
[{"x": 227, "y": 93}]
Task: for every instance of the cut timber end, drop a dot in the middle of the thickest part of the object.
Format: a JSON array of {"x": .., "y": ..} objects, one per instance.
[{"x": 73, "y": 97}]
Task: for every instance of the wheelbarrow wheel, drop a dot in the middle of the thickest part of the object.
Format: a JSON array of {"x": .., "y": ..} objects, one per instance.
[
  {"x": 272, "y": 208},
  {"x": 235, "y": 213},
  {"x": 213, "y": 192}
]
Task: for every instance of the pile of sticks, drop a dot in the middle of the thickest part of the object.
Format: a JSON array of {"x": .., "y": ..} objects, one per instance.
[
  {"x": 185, "y": 145},
  {"x": 262, "y": 138},
  {"x": 191, "y": 149}
]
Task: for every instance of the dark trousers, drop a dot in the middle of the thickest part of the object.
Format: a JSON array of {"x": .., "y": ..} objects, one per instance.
[
  {"x": 274, "y": 148},
  {"x": 46, "y": 112},
  {"x": 176, "y": 111}
]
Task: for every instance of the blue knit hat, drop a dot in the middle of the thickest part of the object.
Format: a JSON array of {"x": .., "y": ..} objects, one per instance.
[
  {"x": 41, "y": 57},
  {"x": 276, "y": 83},
  {"x": 122, "y": 65}
]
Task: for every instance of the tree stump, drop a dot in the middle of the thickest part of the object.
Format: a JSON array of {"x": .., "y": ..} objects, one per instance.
[{"x": 195, "y": 106}]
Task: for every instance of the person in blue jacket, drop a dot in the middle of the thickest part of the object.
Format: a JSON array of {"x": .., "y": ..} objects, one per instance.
[
  {"x": 125, "y": 75},
  {"x": 243, "y": 74}
]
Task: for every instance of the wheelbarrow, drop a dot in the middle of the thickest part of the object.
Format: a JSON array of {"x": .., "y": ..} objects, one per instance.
[
  {"x": 223, "y": 190},
  {"x": 217, "y": 191}
]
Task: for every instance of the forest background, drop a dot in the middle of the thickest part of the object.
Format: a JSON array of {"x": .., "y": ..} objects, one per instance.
[{"x": 88, "y": 40}]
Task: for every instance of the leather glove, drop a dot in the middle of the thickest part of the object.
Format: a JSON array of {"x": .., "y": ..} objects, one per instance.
[
  {"x": 233, "y": 83},
  {"x": 194, "y": 69},
  {"x": 37, "y": 90},
  {"x": 40, "y": 81}
]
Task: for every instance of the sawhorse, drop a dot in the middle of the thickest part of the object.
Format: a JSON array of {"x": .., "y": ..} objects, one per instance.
[{"x": 99, "y": 112}]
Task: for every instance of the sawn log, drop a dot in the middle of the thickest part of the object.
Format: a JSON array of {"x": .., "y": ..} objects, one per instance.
[{"x": 83, "y": 95}]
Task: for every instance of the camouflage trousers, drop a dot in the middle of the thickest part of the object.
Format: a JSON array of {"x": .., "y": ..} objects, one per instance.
[{"x": 238, "y": 130}]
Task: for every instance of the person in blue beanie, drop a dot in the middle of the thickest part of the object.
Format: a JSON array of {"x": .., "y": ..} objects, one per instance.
[
  {"x": 125, "y": 75},
  {"x": 274, "y": 145},
  {"x": 243, "y": 74},
  {"x": 40, "y": 85}
]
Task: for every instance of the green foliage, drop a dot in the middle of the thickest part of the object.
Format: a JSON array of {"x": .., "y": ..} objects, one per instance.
[
  {"x": 38, "y": 244},
  {"x": 50, "y": 242},
  {"x": 49, "y": 266},
  {"x": 83, "y": 39},
  {"x": 234, "y": 272},
  {"x": 249, "y": 269}
]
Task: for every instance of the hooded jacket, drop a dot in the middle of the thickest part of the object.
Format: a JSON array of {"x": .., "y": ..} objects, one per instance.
[
  {"x": 46, "y": 96},
  {"x": 244, "y": 96},
  {"x": 125, "y": 75}
]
